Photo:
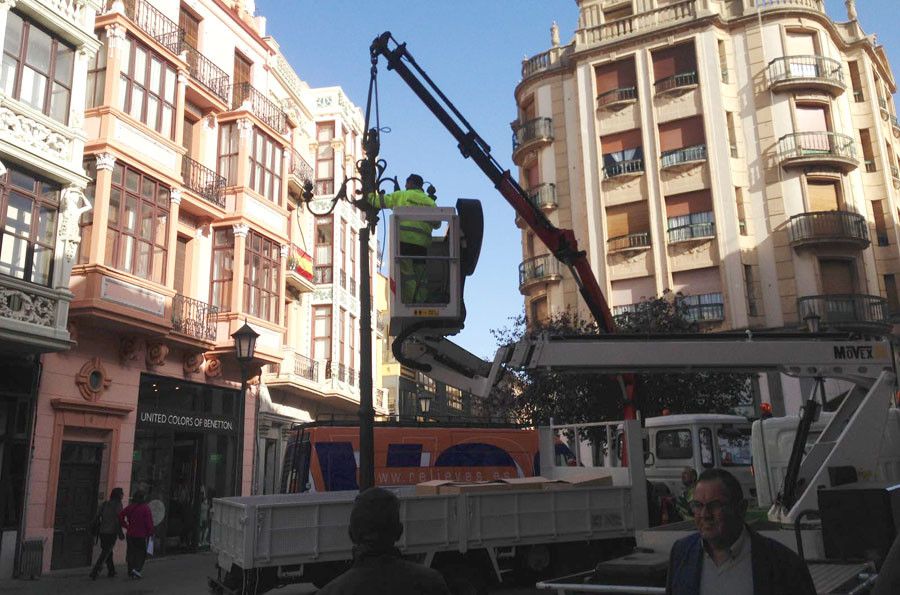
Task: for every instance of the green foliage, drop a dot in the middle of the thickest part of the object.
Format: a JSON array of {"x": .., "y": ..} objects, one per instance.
[{"x": 538, "y": 395}]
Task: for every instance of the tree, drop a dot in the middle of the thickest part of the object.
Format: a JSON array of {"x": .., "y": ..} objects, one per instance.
[{"x": 535, "y": 396}]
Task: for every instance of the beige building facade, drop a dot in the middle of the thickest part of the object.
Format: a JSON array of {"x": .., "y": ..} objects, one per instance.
[{"x": 741, "y": 152}]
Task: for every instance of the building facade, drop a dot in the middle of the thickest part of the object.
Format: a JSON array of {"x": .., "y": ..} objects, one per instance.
[
  {"x": 199, "y": 139},
  {"x": 47, "y": 48},
  {"x": 741, "y": 152}
]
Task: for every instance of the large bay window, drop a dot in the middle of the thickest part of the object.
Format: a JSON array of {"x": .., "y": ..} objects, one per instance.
[
  {"x": 37, "y": 68},
  {"x": 266, "y": 160},
  {"x": 321, "y": 333},
  {"x": 262, "y": 276},
  {"x": 229, "y": 145},
  {"x": 325, "y": 158},
  {"x": 222, "y": 268},
  {"x": 138, "y": 224},
  {"x": 323, "y": 271},
  {"x": 96, "y": 76},
  {"x": 29, "y": 209},
  {"x": 148, "y": 88}
]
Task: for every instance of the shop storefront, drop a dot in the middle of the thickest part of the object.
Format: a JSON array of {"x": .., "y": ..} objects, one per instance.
[{"x": 185, "y": 454}]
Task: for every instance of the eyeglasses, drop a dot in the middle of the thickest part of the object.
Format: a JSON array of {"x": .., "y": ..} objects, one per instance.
[{"x": 711, "y": 507}]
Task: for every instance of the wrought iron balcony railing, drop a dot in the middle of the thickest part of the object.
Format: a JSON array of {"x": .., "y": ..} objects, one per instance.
[
  {"x": 203, "y": 181},
  {"x": 305, "y": 367},
  {"x": 846, "y": 311},
  {"x": 705, "y": 312},
  {"x": 677, "y": 81},
  {"x": 205, "y": 72},
  {"x": 814, "y": 69},
  {"x": 532, "y": 130},
  {"x": 828, "y": 226},
  {"x": 539, "y": 268},
  {"x": 155, "y": 24},
  {"x": 622, "y": 168},
  {"x": 194, "y": 318},
  {"x": 631, "y": 241},
  {"x": 810, "y": 145},
  {"x": 543, "y": 196},
  {"x": 299, "y": 167},
  {"x": 692, "y": 231},
  {"x": 617, "y": 96},
  {"x": 260, "y": 105},
  {"x": 685, "y": 155}
]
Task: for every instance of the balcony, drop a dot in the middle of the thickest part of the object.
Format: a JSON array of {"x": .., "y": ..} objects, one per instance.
[
  {"x": 194, "y": 318},
  {"x": 300, "y": 273},
  {"x": 895, "y": 176},
  {"x": 543, "y": 196},
  {"x": 678, "y": 158},
  {"x": 637, "y": 24},
  {"x": 624, "y": 169},
  {"x": 33, "y": 317},
  {"x": 202, "y": 70},
  {"x": 847, "y": 312},
  {"x": 829, "y": 228},
  {"x": 895, "y": 126},
  {"x": 531, "y": 135},
  {"x": 617, "y": 99},
  {"x": 540, "y": 269},
  {"x": 155, "y": 24},
  {"x": 829, "y": 149},
  {"x": 676, "y": 84},
  {"x": 692, "y": 231},
  {"x": 299, "y": 170},
  {"x": 306, "y": 368},
  {"x": 627, "y": 243},
  {"x": 209, "y": 185},
  {"x": 714, "y": 312},
  {"x": 259, "y": 105},
  {"x": 801, "y": 73}
]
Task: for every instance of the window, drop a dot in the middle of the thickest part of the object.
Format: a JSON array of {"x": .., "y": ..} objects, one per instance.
[
  {"x": 622, "y": 153},
  {"x": 222, "y": 268},
  {"x": 674, "y": 444},
  {"x": 706, "y": 448},
  {"x": 262, "y": 276},
  {"x": 29, "y": 210},
  {"x": 37, "y": 68},
  {"x": 692, "y": 225},
  {"x": 321, "y": 333},
  {"x": 732, "y": 133},
  {"x": 96, "y": 76},
  {"x": 865, "y": 141},
  {"x": 723, "y": 60},
  {"x": 354, "y": 240},
  {"x": 454, "y": 398},
  {"x": 750, "y": 285},
  {"x": 86, "y": 223},
  {"x": 881, "y": 232},
  {"x": 705, "y": 307},
  {"x": 342, "y": 335},
  {"x": 229, "y": 143},
  {"x": 741, "y": 211},
  {"x": 342, "y": 246},
  {"x": 539, "y": 310},
  {"x": 352, "y": 342},
  {"x": 734, "y": 447},
  {"x": 856, "y": 82},
  {"x": 265, "y": 166},
  {"x": 890, "y": 290},
  {"x": 323, "y": 272},
  {"x": 823, "y": 194},
  {"x": 325, "y": 158},
  {"x": 138, "y": 224},
  {"x": 148, "y": 88}
]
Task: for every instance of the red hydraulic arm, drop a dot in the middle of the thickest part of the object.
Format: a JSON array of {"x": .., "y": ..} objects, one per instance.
[{"x": 561, "y": 242}]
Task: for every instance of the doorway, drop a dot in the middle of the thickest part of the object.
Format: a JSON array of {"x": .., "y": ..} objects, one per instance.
[
  {"x": 183, "y": 514},
  {"x": 76, "y": 504}
]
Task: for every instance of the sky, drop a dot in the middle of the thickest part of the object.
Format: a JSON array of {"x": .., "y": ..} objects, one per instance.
[{"x": 472, "y": 50}]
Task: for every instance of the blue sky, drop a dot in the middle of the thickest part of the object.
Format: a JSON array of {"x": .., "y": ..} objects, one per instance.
[{"x": 473, "y": 50}]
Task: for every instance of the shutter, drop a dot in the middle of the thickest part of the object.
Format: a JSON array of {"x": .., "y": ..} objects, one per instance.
[
  {"x": 242, "y": 68},
  {"x": 614, "y": 143},
  {"x": 632, "y": 291},
  {"x": 801, "y": 44},
  {"x": 191, "y": 26},
  {"x": 675, "y": 60},
  {"x": 823, "y": 196},
  {"x": 180, "y": 255},
  {"x": 811, "y": 118},
  {"x": 890, "y": 289},
  {"x": 622, "y": 220},
  {"x": 878, "y": 216},
  {"x": 681, "y": 133},
  {"x": 679, "y": 205},
  {"x": 697, "y": 281},
  {"x": 617, "y": 75},
  {"x": 837, "y": 276}
]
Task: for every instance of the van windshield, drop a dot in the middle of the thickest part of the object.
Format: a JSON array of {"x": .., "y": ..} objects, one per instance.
[{"x": 734, "y": 446}]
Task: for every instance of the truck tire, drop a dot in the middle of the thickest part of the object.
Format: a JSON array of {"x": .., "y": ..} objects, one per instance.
[{"x": 462, "y": 579}]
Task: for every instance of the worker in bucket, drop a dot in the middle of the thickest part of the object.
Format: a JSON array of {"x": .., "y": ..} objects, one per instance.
[
  {"x": 727, "y": 556},
  {"x": 415, "y": 237},
  {"x": 378, "y": 568}
]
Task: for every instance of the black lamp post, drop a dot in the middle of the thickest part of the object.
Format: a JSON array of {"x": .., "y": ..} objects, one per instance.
[{"x": 244, "y": 350}]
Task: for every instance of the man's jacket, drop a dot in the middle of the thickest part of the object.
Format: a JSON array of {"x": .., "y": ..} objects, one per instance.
[
  {"x": 411, "y": 232},
  {"x": 777, "y": 570},
  {"x": 385, "y": 573}
]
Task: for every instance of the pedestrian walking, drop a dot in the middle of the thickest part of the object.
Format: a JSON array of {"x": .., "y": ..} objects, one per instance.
[
  {"x": 108, "y": 530},
  {"x": 138, "y": 522}
]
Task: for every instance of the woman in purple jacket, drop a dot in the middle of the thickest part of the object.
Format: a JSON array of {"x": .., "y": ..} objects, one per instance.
[{"x": 138, "y": 522}]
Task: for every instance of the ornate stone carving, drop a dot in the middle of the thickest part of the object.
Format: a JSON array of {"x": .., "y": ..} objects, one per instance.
[
  {"x": 284, "y": 250},
  {"x": 193, "y": 362},
  {"x": 156, "y": 354},
  {"x": 175, "y": 196},
  {"x": 92, "y": 380},
  {"x": 213, "y": 367},
  {"x": 245, "y": 127},
  {"x": 240, "y": 230},
  {"x": 74, "y": 203},
  {"x": 7, "y": 4},
  {"x": 27, "y": 307},
  {"x": 105, "y": 161},
  {"x": 554, "y": 35},
  {"x": 115, "y": 36},
  {"x": 72, "y": 329},
  {"x": 851, "y": 9},
  {"x": 27, "y": 133},
  {"x": 211, "y": 120},
  {"x": 129, "y": 348}
]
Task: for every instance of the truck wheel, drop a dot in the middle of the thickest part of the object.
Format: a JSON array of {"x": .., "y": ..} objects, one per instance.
[{"x": 464, "y": 580}]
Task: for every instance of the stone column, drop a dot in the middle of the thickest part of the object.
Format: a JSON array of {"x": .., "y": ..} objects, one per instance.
[
  {"x": 105, "y": 164},
  {"x": 179, "y": 106},
  {"x": 237, "y": 280},
  {"x": 245, "y": 146},
  {"x": 172, "y": 240},
  {"x": 282, "y": 288},
  {"x": 115, "y": 42}
]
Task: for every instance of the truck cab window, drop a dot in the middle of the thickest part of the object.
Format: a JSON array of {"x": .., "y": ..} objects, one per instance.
[
  {"x": 706, "y": 448},
  {"x": 674, "y": 444}
]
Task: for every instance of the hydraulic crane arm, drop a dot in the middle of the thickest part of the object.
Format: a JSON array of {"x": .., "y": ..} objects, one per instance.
[{"x": 561, "y": 242}]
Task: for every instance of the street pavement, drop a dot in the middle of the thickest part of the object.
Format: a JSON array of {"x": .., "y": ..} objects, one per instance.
[{"x": 175, "y": 574}]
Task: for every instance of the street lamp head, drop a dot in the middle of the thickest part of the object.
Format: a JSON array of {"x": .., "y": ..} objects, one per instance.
[
  {"x": 424, "y": 402},
  {"x": 245, "y": 343},
  {"x": 812, "y": 322}
]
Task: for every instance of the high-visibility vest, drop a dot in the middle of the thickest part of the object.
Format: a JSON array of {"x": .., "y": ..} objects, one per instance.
[{"x": 411, "y": 232}]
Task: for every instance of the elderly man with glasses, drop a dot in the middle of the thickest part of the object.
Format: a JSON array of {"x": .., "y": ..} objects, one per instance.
[{"x": 727, "y": 556}]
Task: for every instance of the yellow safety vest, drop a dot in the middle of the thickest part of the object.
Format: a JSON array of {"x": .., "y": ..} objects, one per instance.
[{"x": 411, "y": 232}]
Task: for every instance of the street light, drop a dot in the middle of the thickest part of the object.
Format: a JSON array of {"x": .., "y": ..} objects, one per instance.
[
  {"x": 244, "y": 350},
  {"x": 812, "y": 322},
  {"x": 424, "y": 400}
]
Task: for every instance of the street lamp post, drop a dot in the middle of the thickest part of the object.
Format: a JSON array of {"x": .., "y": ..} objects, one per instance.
[{"x": 244, "y": 350}]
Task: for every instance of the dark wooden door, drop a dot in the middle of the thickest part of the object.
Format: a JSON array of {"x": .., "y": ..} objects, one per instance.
[
  {"x": 76, "y": 504},
  {"x": 242, "y": 68}
]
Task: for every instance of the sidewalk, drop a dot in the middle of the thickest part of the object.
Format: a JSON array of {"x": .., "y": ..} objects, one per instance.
[{"x": 174, "y": 574}]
